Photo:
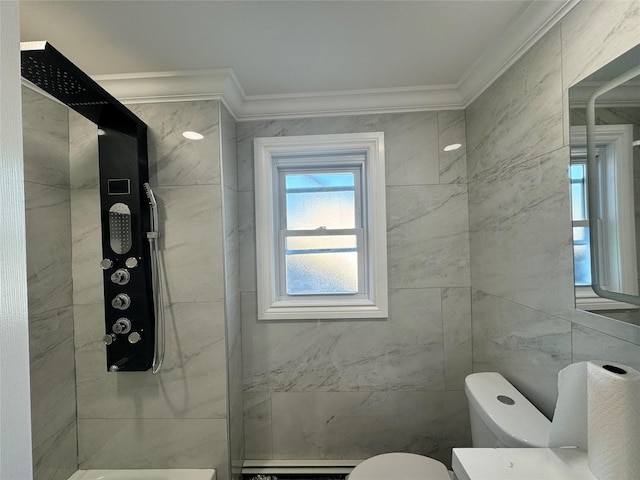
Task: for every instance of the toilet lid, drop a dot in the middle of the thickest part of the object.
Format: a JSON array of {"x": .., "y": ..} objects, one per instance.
[{"x": 400, "y": 466}]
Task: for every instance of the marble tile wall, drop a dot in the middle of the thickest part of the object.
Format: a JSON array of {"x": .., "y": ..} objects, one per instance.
[
  {"x": 520, "y": 234},
  {"x": 178, "y": 418},
  {"x": 48, "y": 228},
  {"x": 232, "y": 290},
  {"x": 352, "y": 389}
]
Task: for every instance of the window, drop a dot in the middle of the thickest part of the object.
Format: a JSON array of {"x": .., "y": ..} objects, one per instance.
[
  {"x": 580, "y": 220},
  {"x": 321, "y": 227},
  {"x": 617, "y": 252}
]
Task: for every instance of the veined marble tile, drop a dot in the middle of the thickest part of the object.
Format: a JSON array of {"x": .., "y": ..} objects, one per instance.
[
  {"x": 45, "y": 132},
  {"x": 191, "y": 242},
  {"x": 520, "y": 116},
  {"x": 191, "y": 384},
  {"x": 358, "y": 425},
  {"x": 52, "y": 363},
  {"x": 451, "y": 129},
  {"x": 521, "y": 233},
  {"x": 527, "y": 346},
  {"x": 153, "y": 443},
  {"x": 428, "y": 236},
  {"x": 628, "y": 332},
  {"x": 41, "y": 112},
  {"x": 173, "y": 159},
  {"x": 83, "y": 152},
  {"x": 48, "y": 226},
  {"x": 86, "y": 248},
  {"x": 403, "y": 352},
  {"x": 411, "y": 142},
  {"x": 228, "y": 135},
  {"x": 236, "y": 410},
  {"x": 247, "y": 241},
  {"x": 257, "y": 425},
  {"x": 456, "y": 324},
  {"x": 56, "y": 458},
  {"x": 590, "y": 344},
  {"x": 594, "y": 33},
  {"x": 411, "y": 148},
  {"x": 231, "y": 240},
  {"x": 234, "y": 322}
]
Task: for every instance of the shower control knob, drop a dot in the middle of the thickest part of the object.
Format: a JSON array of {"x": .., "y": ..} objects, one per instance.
[
  {"x": 120, "y": 276},
  {"x": 134, "y": 337},
  {"x": 122, "y": 326},
  {"x": 131, "y": 262},
  {"x": 121, "y": 301},
  {"x": 106, "y": 263},
  {"x": 109, "y": 339}
]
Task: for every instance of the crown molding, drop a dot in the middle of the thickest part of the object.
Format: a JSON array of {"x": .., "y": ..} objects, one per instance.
[
  {"x": 533, "y": 22},
  {"x": 222, "y": 84},
  {"x": 355, "y": 102},
  {"x": 536, "y": 19}
]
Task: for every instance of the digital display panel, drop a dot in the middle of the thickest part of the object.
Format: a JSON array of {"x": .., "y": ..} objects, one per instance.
[{"x": 118, "y": 186}]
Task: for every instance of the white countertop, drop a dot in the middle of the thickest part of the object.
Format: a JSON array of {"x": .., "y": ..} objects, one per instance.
[{"x": 521, "y": 464}]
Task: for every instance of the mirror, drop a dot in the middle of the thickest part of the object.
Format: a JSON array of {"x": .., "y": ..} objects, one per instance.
[{"x": 604, "y": 117}]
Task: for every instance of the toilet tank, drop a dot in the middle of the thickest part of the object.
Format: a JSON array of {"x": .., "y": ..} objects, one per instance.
[{"x": 501, "y": 416}]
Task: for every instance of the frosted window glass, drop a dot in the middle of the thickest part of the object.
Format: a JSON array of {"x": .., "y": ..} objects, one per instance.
[
  {"x": 326, "y": 264},
  {"x": 320, "y": 200},
  {"x": 581, "y": 256},
  {"x": 577, "y": 173}
]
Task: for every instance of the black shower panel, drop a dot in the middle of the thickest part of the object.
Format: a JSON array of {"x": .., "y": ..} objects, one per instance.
[
  {"x": 125, "y": 211},
  {"x": 129, "y": 315}
]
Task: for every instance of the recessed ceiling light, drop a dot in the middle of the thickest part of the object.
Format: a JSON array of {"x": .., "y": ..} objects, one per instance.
[
  {"x": 101, "y": 132},
  {"x": 453, "y": 146},
  {"x": 192, "y": 135}
]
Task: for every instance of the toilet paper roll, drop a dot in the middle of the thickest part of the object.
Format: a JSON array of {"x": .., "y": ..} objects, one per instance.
[
  {"x": 613, "y": 417},
  {"x": 569, "y": 425}
]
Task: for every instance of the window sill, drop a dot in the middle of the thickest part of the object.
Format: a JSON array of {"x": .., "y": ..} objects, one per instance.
[
  {"x": 287, "y": 311},
  {"x": 594, "y": 303}
]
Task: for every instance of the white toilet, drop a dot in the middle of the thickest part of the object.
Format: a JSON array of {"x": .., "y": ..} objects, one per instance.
[{"x": 500, "y": 417}]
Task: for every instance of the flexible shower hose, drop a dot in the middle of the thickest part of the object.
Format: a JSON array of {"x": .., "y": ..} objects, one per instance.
[{"x": 156, "y": 282}]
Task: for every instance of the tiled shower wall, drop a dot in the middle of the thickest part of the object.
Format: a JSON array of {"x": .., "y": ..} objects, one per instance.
[
  {"x": 519, "y": 211},
  {"x": 179, "y": 418},
  {"x": 354, "y": 388},
  {"x": 48, "y": 227},
  {"x": 232, "y": 289}
]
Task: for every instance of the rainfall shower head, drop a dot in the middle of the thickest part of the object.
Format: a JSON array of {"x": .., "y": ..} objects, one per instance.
[{"x": 49, "y": 70}]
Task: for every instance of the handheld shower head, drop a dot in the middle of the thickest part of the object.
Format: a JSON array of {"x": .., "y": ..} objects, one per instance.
[{"x": 150, "y": 196}]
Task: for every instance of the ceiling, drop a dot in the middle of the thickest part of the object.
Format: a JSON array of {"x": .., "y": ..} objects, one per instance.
[{"x": 297, "y": 56}]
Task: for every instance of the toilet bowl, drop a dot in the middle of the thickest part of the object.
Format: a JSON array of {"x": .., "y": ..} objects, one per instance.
[
  {"x": 400, "y": 466},
  {"x": 500, "y": 417}
]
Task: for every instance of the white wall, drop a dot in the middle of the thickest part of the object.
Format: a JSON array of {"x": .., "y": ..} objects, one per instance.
[{"x": 15, "y": 428}]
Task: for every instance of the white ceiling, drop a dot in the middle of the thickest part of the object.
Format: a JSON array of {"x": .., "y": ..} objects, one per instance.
[{"x": 390, "y": 52}]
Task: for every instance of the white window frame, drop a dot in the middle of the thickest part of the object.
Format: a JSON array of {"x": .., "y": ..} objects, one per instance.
[
  {"x": 272, "y": 155},
  {"x": 616, "y": 162}
]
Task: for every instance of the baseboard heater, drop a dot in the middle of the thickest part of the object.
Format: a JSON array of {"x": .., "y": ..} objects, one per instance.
[{"x": 298, "y": 467}]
